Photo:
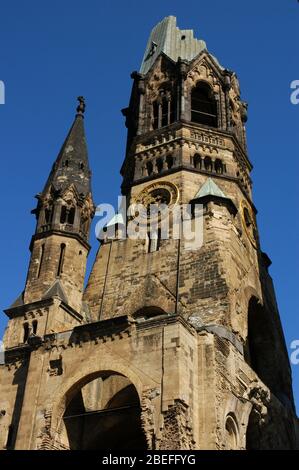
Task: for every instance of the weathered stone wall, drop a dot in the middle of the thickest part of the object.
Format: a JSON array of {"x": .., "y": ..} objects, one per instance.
[{"x": 73, "y": 271}]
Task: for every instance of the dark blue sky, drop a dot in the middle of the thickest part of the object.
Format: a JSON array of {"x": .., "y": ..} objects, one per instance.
[{"x": 51, "y": 52}]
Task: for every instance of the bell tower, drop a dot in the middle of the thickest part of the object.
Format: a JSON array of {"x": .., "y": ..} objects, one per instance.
[
  {"x": 59, "y": 246},
  {"x": 171, "y": 345},
  {"x": 186, "y": 144}
]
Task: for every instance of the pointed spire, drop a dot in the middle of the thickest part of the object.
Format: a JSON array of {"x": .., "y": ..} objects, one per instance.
[{"x": 71, "y": 165}]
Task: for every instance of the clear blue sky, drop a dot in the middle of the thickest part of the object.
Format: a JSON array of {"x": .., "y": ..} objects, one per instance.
[{"x": 51, "y": 52}]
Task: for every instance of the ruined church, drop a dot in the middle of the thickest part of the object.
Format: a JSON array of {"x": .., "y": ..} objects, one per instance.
[{"x": 167, "y": 346}]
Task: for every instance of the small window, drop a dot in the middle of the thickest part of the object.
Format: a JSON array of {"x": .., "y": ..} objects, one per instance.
[
  {"x": 42, "y": 251},
  {"x": 71, "y": 216},
  {"x": 34, "y": 327},
  {"x": 197, "y": 161},
  {"x": 61, "y": 259},
  {"x": 169, "y": 162},
  {"x": 48, "y": 215},
  {"x": 219, "y": 168},
  {"x": 159, "y": 164},
  {"x": 81, "y": 166},
  {"x": 149, "y": 168},
  {"x": 165, "y": 111},
  {"x": 208, "y": 164},
  {"x": 26, "y": 332},
  {"x": 63, "y": 215},
  {"x": 155, "y": 115},
  {"x": 66, "y": 163}
]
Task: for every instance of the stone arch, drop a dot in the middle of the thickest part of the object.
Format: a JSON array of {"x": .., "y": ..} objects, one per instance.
[
  {"x": 231, "y": 432},
  {"x": 239, "y": 410},
  {"x": 104, "y": 400},
  {"x": 77, "y": 380},
  {"x": 249, "y": 292},
  {"x": 261, "y": 346},
  {"x": 148, "y": 312},
  {"x": 150, "y": 287}
]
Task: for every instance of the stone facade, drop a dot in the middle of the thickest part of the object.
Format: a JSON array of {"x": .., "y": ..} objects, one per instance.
[{"x": 167, "y": 347}]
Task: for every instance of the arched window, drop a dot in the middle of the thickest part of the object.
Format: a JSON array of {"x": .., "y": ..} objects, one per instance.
[
  {"x": 26, "y": 332},
  {"x": 71, "y": 216},
  {"x": 146, "y": 313},
  {"x": 219, "y": 168},
  {"x": 63, "y": 215},
  {"x": 48, "y": 215},
  {"x": 165, "y": 112},
  {"x": 149, "y": 168},
  {"x": 155, "y": 115},
  {"x": 34, "y": 327},
  {"x": 231, "y": 433},
  {"x": 208, "y": 164},
  {"x": 261, "y": 347},
  {"x": 61, "y": 259},
  {"x": 203, "y": 105},
  {"x": 197, "y": 161},
  {"x": 163, "y": 109},
  {"x": 41, "y": 257},
  {"x": 169, "y": 161},
  {"x": 98, "y": 412},
  {"x": 67, "y": 215},
  {"x": 159, "y": 164}
]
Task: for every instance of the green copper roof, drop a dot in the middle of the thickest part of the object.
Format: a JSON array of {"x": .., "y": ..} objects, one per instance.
[
  {"x": 210, "y": 188},
  {"x": 174, "y": 42}
]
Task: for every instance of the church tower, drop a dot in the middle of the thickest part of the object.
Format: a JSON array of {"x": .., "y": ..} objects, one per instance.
[
  {"x": 173, "y": 345},
  {"x": 59, "y": 247}
]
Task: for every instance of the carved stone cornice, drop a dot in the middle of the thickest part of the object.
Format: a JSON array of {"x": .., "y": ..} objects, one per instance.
[
  {"x": 63, "y": 233},
  {"x": 22, "y": 310}
]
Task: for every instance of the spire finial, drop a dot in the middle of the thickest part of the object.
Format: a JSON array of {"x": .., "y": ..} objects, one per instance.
[{"x": 81, "y": 105}]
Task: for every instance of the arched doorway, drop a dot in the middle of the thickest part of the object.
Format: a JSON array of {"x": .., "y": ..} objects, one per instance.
[
  {"x": 260, "y": 347},
  {"x": 104, "y": 413}
]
